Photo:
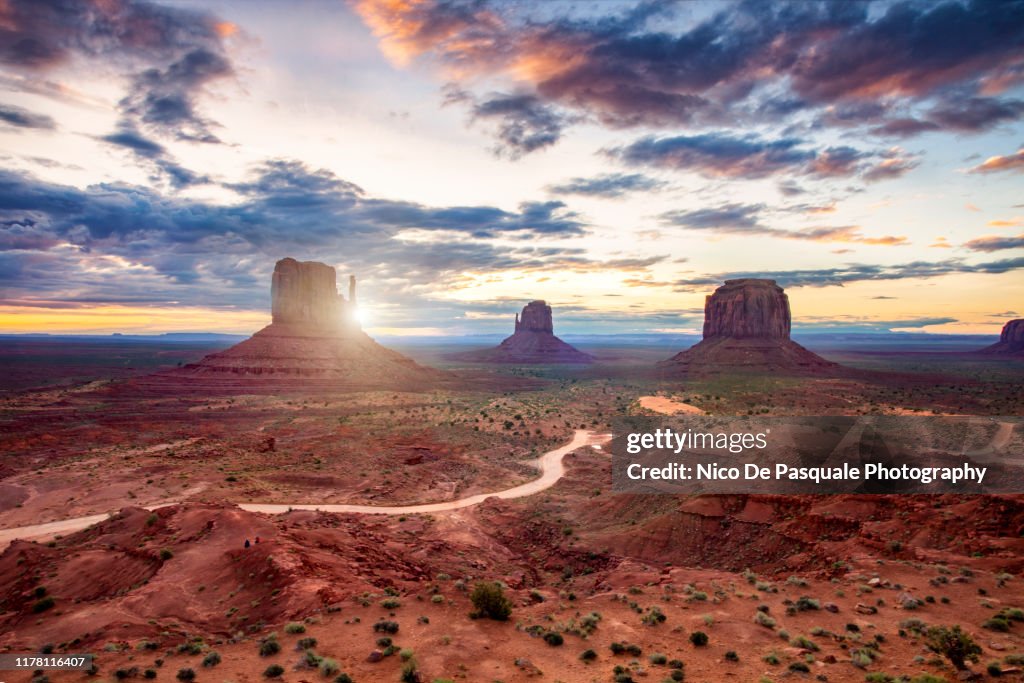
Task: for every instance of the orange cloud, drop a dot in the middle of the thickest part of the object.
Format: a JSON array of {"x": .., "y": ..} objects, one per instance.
[{"x": 1010, "y": 162}]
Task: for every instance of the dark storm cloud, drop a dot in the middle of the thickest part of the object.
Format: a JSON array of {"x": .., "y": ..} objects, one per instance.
[
  {"x": 850, "y": 63},
  {"x": 745, "y": 219},
  {"x": 975, "y": 114},
  {"x": 523, "y": 123},
  {"x": 829, "y": 277},
  {"x": 721, "y": 155},
  {"x": 23, "y": 118},
  {"x": 163, "y": 164},
  {"x": 609, "y": 185},
  {"x": 171, "y": 53},
  {"x": 995, "y": 243}
]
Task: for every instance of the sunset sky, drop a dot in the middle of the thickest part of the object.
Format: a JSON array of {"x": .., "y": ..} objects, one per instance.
[{"x": 619, "y": 160}]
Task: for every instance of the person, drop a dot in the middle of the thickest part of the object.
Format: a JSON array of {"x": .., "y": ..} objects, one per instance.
[{"x": 247, "y": 543}]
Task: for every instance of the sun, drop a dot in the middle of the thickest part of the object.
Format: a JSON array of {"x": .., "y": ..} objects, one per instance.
[{"x": 361, "y": 316}]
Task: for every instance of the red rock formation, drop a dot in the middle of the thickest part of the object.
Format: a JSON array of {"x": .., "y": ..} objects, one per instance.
[
  {"x": 314, "y": 334},
  {"x": 746, "y": 328},
  {"x": 533, "y": 342},
  {"x": 747, "y": 308},
  {"x": 1011, "y": 339}
]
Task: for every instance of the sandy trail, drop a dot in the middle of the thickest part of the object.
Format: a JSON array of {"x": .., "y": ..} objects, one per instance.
[{"x": 550, "y": 465}]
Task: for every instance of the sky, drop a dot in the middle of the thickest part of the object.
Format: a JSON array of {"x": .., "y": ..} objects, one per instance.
[{"x": 462, "y": 157}]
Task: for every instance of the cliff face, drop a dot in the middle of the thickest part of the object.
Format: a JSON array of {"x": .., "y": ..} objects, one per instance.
[
  {"x": 536, "y": 317},
  {"x": 748, "y": 308},
  {"x": 1011, "y": 339},
  {"x": 746, "y": 329},
  {"x": 533, "y": 342},
  {"x": 306, "y": 293}
]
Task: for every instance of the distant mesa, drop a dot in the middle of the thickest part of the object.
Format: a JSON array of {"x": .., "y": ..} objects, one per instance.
[
  {"x": 533, "y": 342},
  {"x": 746, "y": 329},
  {"x": 1011, "y": 340},
  {"x": 314, "y": 333}
]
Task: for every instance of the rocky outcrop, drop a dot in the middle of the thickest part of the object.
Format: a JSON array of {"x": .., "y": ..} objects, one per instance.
[
  {"x": 306, "y": 293},
  {"x": 314, "y": 335},
  {"x": 747, "y": 309},
  {"x": 533, "y": 342},
  {"x": 536, "y": 317},
  {"x": 746, "y": 328},
  {"x": 1011, "y": 339}
]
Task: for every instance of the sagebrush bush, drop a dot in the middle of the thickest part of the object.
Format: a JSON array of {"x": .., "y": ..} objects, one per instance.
[{"x": 489, "y": 602}]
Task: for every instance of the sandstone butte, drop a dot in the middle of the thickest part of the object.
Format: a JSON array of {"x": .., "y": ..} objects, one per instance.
[
  {"x": 1011, "y": 340},
  {"x": 314, "y": 333},
  {"x": 532, "y": 342},
  {"x": 747, "y": 328}
]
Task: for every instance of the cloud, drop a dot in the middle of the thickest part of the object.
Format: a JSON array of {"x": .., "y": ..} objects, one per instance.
[
  {"x": 126, "y": 243},
  {"x": 157, "y": 156},
  {"x": 172, "y": 53},
  {"x": 995, "y": 243},
  {"x": 853, "y": 63},
  {"x": 855, "y": 272},
  {"x": 721, "y": 155},
  {"x": 1010, "y": 162},
  {"x": 608, "y": 185},
  {"x": 23, "y": 118},
  {"x": 975, "y": 114},
  {"x": 524, "y": 123},
  {"x": 744, "y": 219}
]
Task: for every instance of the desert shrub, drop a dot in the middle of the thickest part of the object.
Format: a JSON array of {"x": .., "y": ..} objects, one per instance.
[
  {"x": 149, "y": 673},
  {"x": 43, "y": 604},
  {"x": 953, "y": 644},
  {"x": 1014, "y": 659},
  {"x": 273, "y": 671},
  {"x": 390, "y": 603},
  {"x": 121, "y": 674},
  {"x": 805, "y": 604},
  {"x": 762, "y": 619},
  {"x": 699, "y": 638},
  {"x": 588, "y": 655},
  {"x": 994, "y": 670},
  {"x": 343, "y": 678},
  {"x": 437, "y": 599},
  {"x": 731, "y": 656},
  {"x": 676, "y": 675},
  {"x": 878, "y": 677},
  {"x": 658, "y": 658},
  {"x": 211, "y": 659},
  {"x": 553, "y": 639},
  {"x": 305, "y": 644},
  {"x": 186, "y": 674},
  {"x": 166, "y": 554},
  {"x": 406, "y": 654},
  {"x": 805, "y": 643},
  {"x": 294, "y": 627},
  {"x": 771, "y": 658},
  {"x": 861, "y": 658},
  {"x": 269, "y": 646},
  {"x": 653, "y": 617},
  {"x": 928, "y": 678},
  {"x": 489, "y": 602},
  {"x": 617, "y": 648},
  {"x": 800, "y": 667},
  {"x": 634, "y": 650},
  {"x": 997, "y": 623},
  {"x": 410, "y": 672},
  {"x": 328, "y": 667},
  {"x": 385, "y": 626}
]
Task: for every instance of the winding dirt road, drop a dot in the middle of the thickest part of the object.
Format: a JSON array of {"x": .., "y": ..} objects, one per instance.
[{"x": 550, "y": 465}]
